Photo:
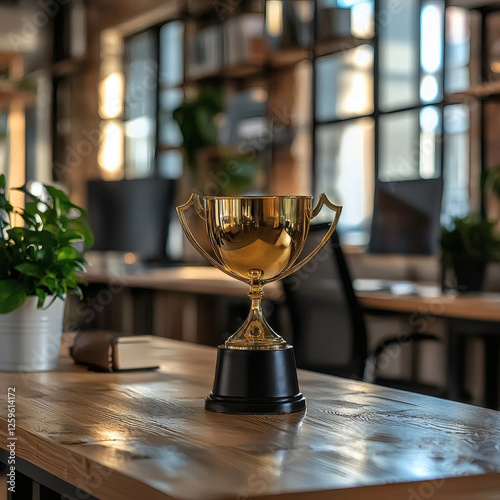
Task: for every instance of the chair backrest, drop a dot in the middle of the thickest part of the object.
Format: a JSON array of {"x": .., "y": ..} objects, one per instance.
[{"x": 329, "y": 333}]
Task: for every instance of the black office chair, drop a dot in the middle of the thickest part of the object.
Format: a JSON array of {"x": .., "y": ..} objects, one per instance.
[
  {"x": 328, "y": 323},
  {"x": 329, "y": 333}
]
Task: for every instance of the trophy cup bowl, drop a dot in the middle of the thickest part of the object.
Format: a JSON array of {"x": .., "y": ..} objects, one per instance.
[{"x": 257, "y": 240}]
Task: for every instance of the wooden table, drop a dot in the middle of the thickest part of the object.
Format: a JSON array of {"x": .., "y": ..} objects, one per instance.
[
  {"x": 145, "y": 435},
  {"x": 430, "y": 300},
  {"x": 467, "y": 315}
]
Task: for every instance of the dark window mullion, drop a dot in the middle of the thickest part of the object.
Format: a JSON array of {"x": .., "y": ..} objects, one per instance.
[
  {"x": 376, "y": 87},
  {"x": 418, "y": 18},
  {"x": 314, "y": 122},
  {"x": 443, "y": 83},
  {"x": 156, "y": 56}
]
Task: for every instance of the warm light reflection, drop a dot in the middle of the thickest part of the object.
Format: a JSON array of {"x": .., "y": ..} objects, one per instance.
[
  {"x": 355, "y": 96},
  {"x": 111, "y": 96},
  {"x": 130, "y": 258},
  {"x": 355, "y": 172},
  {"x": 16, "y": 177},
  {"x": 362, "y": 57},
  {"x": 362, "y": 20},
  {"x": 110, "y": 154},
  {"x": 259, "y": 95},
  {"x": 457, "y": 25},
  {"x": 274, "y": 18}
]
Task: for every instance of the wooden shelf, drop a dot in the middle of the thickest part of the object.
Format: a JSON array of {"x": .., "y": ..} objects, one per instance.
[
  {"x": 7, "y": 96},
  {"x": 480, "y": 91},
  {"x": 273, "y": 61},
  {"x": 244, "y": 70},
  {"x": 67, "y": 67},
  {"x": 473, "y": 4},
  {"x": 340, "y": 44},
  {"x": 288, "y": 57},
  {"x": 197, "y": 8}
]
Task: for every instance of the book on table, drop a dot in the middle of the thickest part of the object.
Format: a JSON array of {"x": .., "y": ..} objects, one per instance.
[{"x": 111, "y": 351}]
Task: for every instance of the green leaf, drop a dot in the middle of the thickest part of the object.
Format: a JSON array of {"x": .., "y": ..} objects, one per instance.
[
  {"x": 30, "y": 269},
  {"x": 38, "y": 259},
  {"x": 2, "y": 181},
  {"x": 81, "y": 226},
  {"x": 4, "y": 204},
  {"x": 62, "y": 202},
  {"x": 71, "y": 235},
  {"x": 41, "y": 294},
  {"x": 12, "y": 295},
  {"x": 67, "y": 253}
]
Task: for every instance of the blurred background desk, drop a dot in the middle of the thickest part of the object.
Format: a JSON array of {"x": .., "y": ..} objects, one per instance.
[
  {"x": 197, "y": 304},
  {"x": 471, "y": 315}
]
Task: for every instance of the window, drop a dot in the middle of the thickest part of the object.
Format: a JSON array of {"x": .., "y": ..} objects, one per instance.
[
  {"x": 380, "y": 111},
  {"x": 154, "y": 71}
]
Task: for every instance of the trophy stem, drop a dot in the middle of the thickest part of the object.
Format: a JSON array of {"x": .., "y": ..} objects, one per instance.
[{"x": 255, "y": 333}]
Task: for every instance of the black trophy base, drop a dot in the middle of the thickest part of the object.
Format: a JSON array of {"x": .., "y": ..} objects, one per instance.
[{"x": 255, "y": 381}]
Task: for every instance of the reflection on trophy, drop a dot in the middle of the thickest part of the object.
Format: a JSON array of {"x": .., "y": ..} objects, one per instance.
[{"x": 256, "y": 239}]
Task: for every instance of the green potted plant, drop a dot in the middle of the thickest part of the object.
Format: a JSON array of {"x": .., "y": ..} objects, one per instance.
[
  {"x": 214, "y": 169},
  {"x": 38, "y": 266},
  {"x": 197, "y": 121},
  {"x": 467, "y": 245}
]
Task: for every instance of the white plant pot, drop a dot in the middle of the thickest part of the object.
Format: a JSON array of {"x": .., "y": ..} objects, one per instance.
[{"x": 30, "y": 338}]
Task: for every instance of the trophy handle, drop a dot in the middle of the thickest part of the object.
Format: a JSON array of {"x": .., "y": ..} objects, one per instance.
[
  {"x": 194, "y": 200},
  {"x": 337, "y": 209}
]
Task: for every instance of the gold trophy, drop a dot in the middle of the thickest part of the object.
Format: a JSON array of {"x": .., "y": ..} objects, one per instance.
[{"x": 256, "y": 239}]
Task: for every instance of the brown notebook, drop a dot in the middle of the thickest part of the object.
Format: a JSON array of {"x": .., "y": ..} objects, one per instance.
[{"x": 110, "y": 351}]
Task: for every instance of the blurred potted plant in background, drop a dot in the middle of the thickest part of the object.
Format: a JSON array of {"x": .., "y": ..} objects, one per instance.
[
  {"x": 492, "y": 180},
  {"x": 467, "y": 245},
  {"x": 214, "y": 169},
  {"x": 197, "y": 121},
  {"x": 38, "y": 265}
]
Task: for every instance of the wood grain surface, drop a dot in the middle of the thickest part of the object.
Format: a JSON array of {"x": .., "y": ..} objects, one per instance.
[
  {"x": 145, "y": 435},
  {"x": 477, "y": 306}
]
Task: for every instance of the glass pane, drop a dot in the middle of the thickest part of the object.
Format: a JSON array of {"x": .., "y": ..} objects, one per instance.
[
  {"x": 430, "y": 142},
  {"x": 140, "y": 105},
  {"x": 457, "y": 49},
  {"x": 456, "y": 162},
  {"x": 399, "y": 54},
  {"x": 171, "y": 54},
  {"x": 140, "y": 74},
  {"x": 169, "y": 133},
  {"x": 289, "y": 24},
  {"x": 139, "y": 147},
  {"x": 345, "y": 171},
  {"x": 345, "y": 18},
  {"x": 344, "y": 84},
  {"x": 431, "y": 51},
  {"x": 170, "y": 164},
  {"x": 399, "y": 146}
]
